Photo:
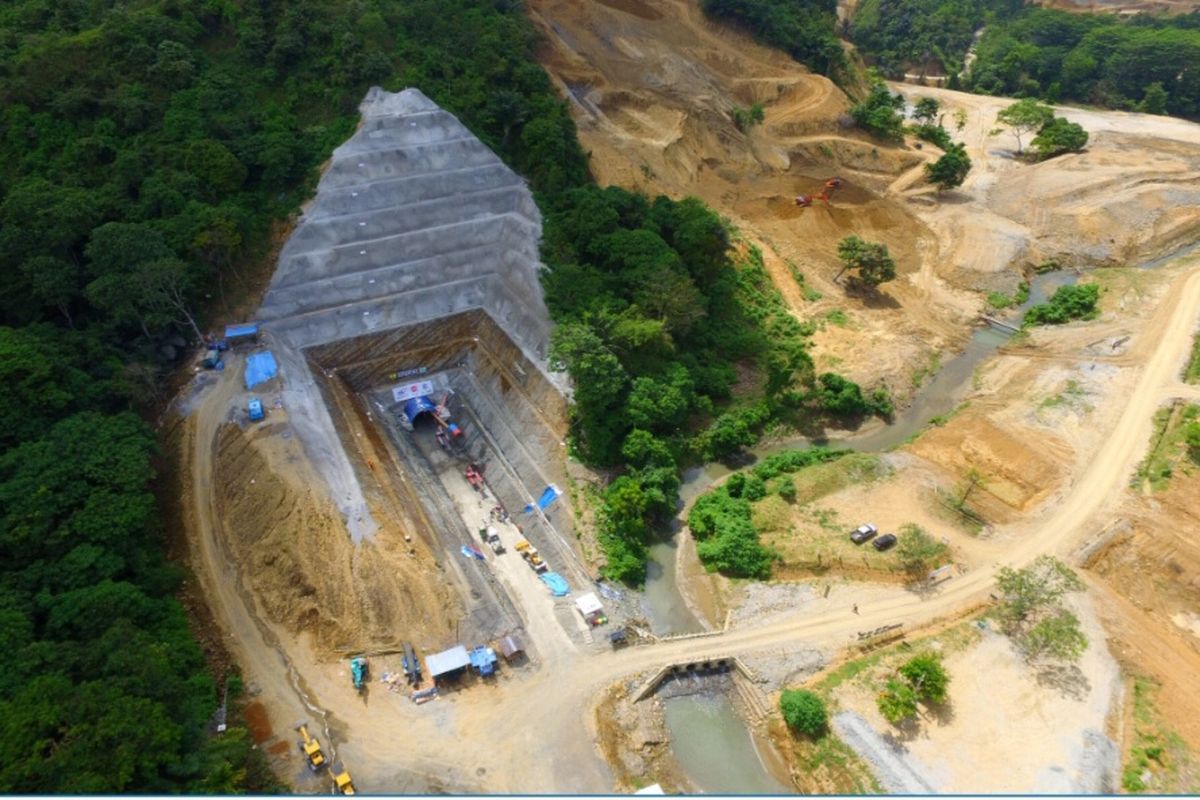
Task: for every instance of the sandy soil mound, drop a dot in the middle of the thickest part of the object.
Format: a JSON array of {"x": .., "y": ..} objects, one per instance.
[{"x": 298, "y": 561}]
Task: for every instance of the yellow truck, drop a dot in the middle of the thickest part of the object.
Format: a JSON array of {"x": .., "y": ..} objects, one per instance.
[
  {"x": 311, "y": 748},
  {"x": 530, "y": 554},
  {"x": 341, "y": 780}
]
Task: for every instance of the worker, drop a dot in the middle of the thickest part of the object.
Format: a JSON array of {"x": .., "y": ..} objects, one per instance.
[
  {"x": 856, "y": 608},
  {"x": 441, "y": 438}
]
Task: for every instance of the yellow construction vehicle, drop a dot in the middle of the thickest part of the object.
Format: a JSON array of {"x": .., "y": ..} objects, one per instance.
[
  {"x": 341, "y": 780},
  {"x": 311, "y": 748},
  {"x": 531, "y": 555}
]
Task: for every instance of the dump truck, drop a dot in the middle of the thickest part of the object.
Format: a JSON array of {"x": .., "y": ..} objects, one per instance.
[
  {"x": 212, "y": 359},
  {"x": 358, "y": 672},
  {"x": 341, "y": 780},
  {"x": 311, "y": 748},
  {"x": 531, "y": 555}
]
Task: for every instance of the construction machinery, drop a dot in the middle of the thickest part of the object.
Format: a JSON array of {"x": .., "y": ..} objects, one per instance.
[
  {"x": 531, "y": 555},
  {"x": 341, "y": 780},
  {"x": 828, "y": 189},
  {"x": 491, "y": 537},
  {"x": 358, "y": 672},
  {"x": 311, "y": 748}
]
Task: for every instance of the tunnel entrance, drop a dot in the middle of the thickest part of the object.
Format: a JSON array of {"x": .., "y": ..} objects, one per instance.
[{"x": 474, "y": 443}]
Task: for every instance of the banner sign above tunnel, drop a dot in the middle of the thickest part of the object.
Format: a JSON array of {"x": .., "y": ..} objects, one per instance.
[{"x": 407, "y": 391}]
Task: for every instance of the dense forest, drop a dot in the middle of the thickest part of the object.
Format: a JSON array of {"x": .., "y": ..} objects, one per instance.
[
  {"x": 899, "y": 36},
  {"x": 1141, "y": 63},
  {"x": 1145, "y": 63}
]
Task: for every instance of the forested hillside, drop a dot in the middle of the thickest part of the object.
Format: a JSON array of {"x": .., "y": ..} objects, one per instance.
[
  {"x": 146, "y": 149},
  {"x": 1145, "y": 63}
]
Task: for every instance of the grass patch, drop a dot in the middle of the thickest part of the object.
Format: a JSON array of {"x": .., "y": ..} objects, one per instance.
[
  {"x": 1000, "y": 301},
  {"x": 941, "y": 419},
  {"x": 1159, "y": 760},
  {"x": 1191, "y": 374},
  {"x": 927, "y": 371},
  {"x": 819, "y": 480},
  {"x": 810, "y": 294},
  {"x": 1072, "y": 396},
  {"x": 1168, "y": 449},
  {"x": 837, "y": 317}
]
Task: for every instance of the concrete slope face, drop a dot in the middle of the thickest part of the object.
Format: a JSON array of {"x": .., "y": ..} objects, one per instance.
[
  {"x": 415, "y": 219},
  {"x": 415, "y": 222}
]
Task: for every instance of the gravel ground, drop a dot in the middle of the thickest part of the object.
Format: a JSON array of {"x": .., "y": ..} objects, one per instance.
[
  {"x": 897, "y": 771},
  {"x": 779, "y": 669}
]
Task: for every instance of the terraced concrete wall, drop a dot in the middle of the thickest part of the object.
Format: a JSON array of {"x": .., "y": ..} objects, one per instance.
[{"x": 415, "y": 219}]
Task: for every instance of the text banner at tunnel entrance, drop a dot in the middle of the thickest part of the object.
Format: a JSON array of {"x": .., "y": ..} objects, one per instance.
[{"x": 406, "y": 391}]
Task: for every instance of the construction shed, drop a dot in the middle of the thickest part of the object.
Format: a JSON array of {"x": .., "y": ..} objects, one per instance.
[
  {"x": 448, "y": 664},
  {"x": 511, "y": 648}
]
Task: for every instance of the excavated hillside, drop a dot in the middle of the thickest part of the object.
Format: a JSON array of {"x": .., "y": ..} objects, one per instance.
[{"x": 653, "y": 83}]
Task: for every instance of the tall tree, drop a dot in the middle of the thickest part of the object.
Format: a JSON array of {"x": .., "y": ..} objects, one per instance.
[{"x": 1025, "y": 117}]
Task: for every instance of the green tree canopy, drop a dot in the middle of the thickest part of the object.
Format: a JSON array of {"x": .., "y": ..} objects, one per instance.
[
  {"x": 951, "y": 169},
  {"x": 804, "y": 711},
  {"x": 1025, "y": 117},
  {"x": 870, "y": 261},
  {"x": 1059, "y": 136}
]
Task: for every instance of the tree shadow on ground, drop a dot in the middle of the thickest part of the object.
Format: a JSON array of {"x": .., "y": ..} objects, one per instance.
[
  {"x": 1066, "y": 678},
  {"x": 875, "y": 299},
  {"x": 941, "y": 713}
]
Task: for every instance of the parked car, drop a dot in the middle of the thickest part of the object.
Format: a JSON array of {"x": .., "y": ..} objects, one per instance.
[
  {"x": 862, "y": 533},
  {"x": 885, "y": 542}
]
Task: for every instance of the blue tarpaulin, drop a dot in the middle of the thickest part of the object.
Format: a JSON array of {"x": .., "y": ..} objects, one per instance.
[
  {"x": 417, "y": 406},
  {"x": 483, "y": 660},
  {"x": 549, "y": 496},
  {"x": 557, "y": 583},
  {"x": 260, "y": 367},
  {"x": 471, "y": 552},
  {"x": 241, "y": 331}
]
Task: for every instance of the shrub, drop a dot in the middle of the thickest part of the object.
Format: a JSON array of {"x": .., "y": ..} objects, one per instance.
[
  {"x": 804, "y": 712},
  {"x": 1067, "y": 303}
]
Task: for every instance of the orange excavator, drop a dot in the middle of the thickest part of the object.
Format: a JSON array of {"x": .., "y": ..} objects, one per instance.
[{"x": 829, "y": 188}]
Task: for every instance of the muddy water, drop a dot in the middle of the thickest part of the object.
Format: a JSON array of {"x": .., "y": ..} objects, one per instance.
[{"x": 710, "y": 741}]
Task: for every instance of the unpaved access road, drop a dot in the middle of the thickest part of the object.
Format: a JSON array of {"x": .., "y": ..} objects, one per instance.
[{"x": 490, "y": 737}]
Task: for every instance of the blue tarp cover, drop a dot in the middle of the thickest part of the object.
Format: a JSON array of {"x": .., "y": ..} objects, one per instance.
[
  {"x": 260, "y": 367},
  {"x": 557, "y": 583},
  {"x": 483, "y": 659},
  {"x": 418, "y": 405},
  {"x": 245, "y": 329},
  {"x": 548, "y": 496},
  {"x": 447, "y": 661}
]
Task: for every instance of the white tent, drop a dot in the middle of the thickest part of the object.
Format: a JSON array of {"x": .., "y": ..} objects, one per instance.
[{"x": 589, "y": 605}]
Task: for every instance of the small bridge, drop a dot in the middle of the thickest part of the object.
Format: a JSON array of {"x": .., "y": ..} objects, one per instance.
[{"x": 711, "y": 665}]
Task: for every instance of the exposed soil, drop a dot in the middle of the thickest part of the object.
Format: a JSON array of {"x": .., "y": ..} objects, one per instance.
[{"x": 652, "y": 85}]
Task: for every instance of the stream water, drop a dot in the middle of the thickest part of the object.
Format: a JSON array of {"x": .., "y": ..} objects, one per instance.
[{"x": 709, "y": 740}]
